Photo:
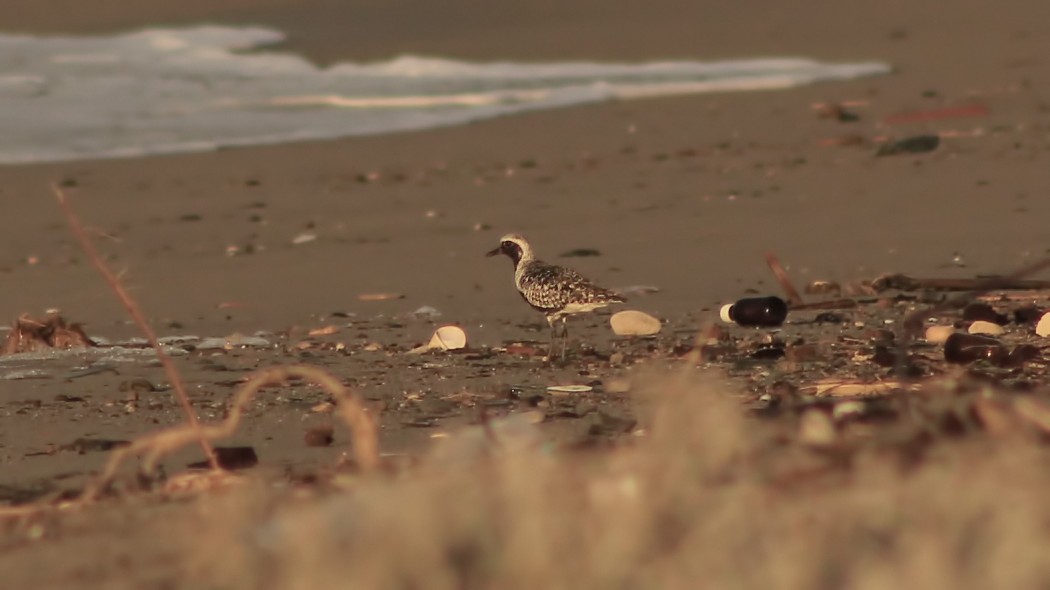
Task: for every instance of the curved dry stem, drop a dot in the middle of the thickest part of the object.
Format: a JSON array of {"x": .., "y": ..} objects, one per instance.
[
  {"x": 140, "y": 320},
  {"x": 363, "y": 431}
]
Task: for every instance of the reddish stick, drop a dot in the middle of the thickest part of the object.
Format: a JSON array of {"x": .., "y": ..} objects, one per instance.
[
  {"x": 794, "y": 298},
  {"x": 140, "y": 320}
]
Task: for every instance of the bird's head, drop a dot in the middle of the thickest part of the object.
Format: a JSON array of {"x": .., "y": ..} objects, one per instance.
[{"x": 514, "y": 246}]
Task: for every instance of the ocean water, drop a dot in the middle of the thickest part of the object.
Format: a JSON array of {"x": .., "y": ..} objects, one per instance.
[{"x": 160, "y": 91}]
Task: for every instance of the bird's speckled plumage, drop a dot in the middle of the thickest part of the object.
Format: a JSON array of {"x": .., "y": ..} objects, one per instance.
[{"x": 553, "y": 290}]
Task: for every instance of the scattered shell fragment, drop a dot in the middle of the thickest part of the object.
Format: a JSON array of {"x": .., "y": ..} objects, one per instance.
[
  {"x": 325, "y": 331},
  {"x": 816, "y": 428},
  {"x": 634, "y": 323},
  {"x": 53, "y": 332},
  {"x": 1034, "y": 412},
  {"x": 323, "y": 408},
  {"x": 319, "y": 436},
  {"x": 305, "y": 238},
  {"x": 848, "y": 388},
  {"x": 823, "y": 288},
  {"x": 569, "y": 388},
  {"x": 1043, "y": 327},
  {"x": 427, "y": 311},
  {"x": 636, "y": 290},
  {"x": 233, "y": 341},
  {"x": 983, "y": 327},
  {"x": 444, "y": 338},
  {"x": 848, "y": 409},
  {"x": 939, "y": 334},
  {"x": 379, "y": 296}
]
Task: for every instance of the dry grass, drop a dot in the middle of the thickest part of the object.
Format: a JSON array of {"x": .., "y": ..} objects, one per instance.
[{"x": 708, "y": 498}]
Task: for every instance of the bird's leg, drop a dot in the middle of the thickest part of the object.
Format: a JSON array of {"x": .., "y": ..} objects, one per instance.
[
  {"x": 564, "y": 335},
  {"x": 550, "y": 347}
]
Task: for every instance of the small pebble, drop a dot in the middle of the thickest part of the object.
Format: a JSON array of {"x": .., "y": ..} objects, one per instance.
[
  {"x": 634, "y": 323},
  {"x": 1043, "y": 327},
  {"x": 984, "y": 327},
  {"x": 938, "y": 334}
]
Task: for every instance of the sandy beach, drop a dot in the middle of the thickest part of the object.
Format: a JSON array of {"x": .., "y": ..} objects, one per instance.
[{"x": 684, "y": 194}]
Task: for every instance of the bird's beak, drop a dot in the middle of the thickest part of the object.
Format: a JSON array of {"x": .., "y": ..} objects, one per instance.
[{"x": 494, "y": 251}]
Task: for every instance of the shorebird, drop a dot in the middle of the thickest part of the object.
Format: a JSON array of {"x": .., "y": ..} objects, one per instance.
[{"x": 555, "y": 291}]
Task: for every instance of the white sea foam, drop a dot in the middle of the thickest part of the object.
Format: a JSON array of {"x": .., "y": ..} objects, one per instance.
[{"x": 178, "y": 90}]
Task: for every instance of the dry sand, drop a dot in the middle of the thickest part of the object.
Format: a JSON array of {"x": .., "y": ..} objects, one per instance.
[{"x": 685, "y": 194}]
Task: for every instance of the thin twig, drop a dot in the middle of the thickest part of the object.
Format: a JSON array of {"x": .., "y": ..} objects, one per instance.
[{"x": 140, "y": 320}]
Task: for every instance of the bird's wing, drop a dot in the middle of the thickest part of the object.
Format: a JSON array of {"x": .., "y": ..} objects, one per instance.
[{"x": 546, "y": 286}]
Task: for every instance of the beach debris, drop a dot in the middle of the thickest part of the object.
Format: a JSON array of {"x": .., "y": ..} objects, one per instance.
[
  {"x": 319, "y": 436},
  {"x": 1042, "y": 328},
  {"x": 34, "y": 335},
  {"x": 916, "y": 144},
  {"x": 755, "y": 312},
  {"x": 964, "y": 111},
  {"x": 986, "y": 328},
  {"x": 444, "y": 338},
  {"x": 303, "y": 238},
  {"x": 379, "y": 296},
  {"x": 634, "y": 323}
]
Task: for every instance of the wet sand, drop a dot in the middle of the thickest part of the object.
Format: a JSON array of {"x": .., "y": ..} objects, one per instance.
[{"x": 685, "y": 194}]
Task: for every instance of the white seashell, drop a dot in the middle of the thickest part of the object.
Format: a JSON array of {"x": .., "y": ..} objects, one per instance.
[
  {"x": 634, "y": 323},
  {"x": 445, "y": 338}
]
